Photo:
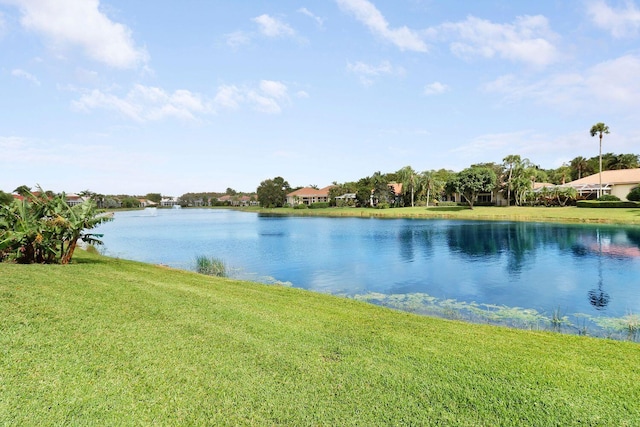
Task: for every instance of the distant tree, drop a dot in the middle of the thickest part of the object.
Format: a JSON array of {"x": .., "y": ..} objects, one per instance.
[
  {"x": 130, "y": 202},
  {"x": 578, "y": 167},
  {"x": 5, "y": 198},
  {"x": 154, "y": 197},
  {"x": 431, "y": 184},
  {"x": 363, "y": 191},
  {"x": 272, "y": 193},
  {"x": 230, "y": 192},
  {"x": 382, "y": 192},
  {"x": 474, "y": 180},
  {"x": 623, "y": 161},
  {"x": 599, "y": 129},
  {"x": 408, "y": 177},
  {"x": 509, "y": 163},
  {"x": 560, "y": 175},
  {"x": 23, "y": 190}
]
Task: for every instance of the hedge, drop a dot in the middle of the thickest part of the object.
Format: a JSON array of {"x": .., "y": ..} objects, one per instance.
[{"x": 598, "y": 204}]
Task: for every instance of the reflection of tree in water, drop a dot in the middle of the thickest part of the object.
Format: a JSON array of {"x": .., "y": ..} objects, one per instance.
[
  {"x": 412, "y": 237},
  {"x": 597, "y": 297},
  {"x": 485, "y": 241}
]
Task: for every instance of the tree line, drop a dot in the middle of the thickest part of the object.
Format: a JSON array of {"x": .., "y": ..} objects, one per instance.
[{"x": 514, "y": 177}]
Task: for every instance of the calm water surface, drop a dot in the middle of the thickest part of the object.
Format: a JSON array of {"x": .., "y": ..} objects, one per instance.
[{"x": 587, "y": 269}]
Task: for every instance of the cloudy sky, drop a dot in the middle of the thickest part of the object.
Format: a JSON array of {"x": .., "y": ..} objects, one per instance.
[{"x": 129, "y": 96}]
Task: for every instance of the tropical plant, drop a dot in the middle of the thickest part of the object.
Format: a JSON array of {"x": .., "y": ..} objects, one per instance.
[
  {"x": 599, "y": 129},
  {"x": 431, "y": 184},
  {"x": 579, "y": 166},
  {"x": 408, "y": 178},
  {"x": 510, "y": 162},
  {"x": 45, "y": 229}
]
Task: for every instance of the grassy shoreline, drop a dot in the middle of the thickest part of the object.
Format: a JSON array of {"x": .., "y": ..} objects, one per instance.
[
  {"x": 570, "y": 214},
  {"x": 112, "y": 342}
]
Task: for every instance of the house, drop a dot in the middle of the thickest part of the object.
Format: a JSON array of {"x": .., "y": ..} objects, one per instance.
[
  {"x": 146, "y": 203},
  {"x": 615, "y": 182},
  {"x": 74, "y": 199},
  {"x": 308, "y": 195},
  {"x": 238, "y": 200},
  {"x": 169, "y": 201},
  {"x": 347, "y": 199}
]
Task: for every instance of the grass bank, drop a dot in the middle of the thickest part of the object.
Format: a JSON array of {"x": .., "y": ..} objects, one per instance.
[
  {"x": 111, "y": 342},
  {"x": 569, "y": 214}
]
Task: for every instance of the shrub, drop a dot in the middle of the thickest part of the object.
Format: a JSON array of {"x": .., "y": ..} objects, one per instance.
[
  {"x": 300, "y": 206},
  {"x": 382, "y": 206},
  {"x": 608, "y": 198},
  {"x": 598, "y": 204},
  {"x": 211, "y": 266},
  {"x": 319, "y": 205},
  {"x": 634, "y": 195}
]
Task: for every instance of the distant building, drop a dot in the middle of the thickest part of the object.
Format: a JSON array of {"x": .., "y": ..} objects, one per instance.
[
  {"x": 615, "y": 182},
  {"x": 308, "y": 195}
]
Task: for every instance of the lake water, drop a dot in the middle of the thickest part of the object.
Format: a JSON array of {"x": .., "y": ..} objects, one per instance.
[{"x": 525, "y": 274}]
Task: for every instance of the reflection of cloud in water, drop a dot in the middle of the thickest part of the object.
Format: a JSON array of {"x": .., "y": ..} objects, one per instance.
[{"x": 567, "y": 283}]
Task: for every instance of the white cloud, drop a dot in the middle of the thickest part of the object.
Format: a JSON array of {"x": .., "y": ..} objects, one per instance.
[
  {"x": 528, "y": 39},
  {"x": 612, "y": 83},
  {"x": 274, "y": 89},
  {"x": 273, "y": 27},
  {"x": 145, "y": 103},
  {"x": 25, "y": 75},
  {"x": 3, "y": 25},
  {"x": 365, "y": 12},
  {"x": 269, "y": 97},
  {"x": 367, "y": 72},
  {"x": 237, "y": 39},
  {"x": 81, "y": 23},
  {"x": 229, "y": 97},
  {"x": 435, "y": 88},
  {"x": 621, "y": 22},
  {"x": 306, "y": 12}
]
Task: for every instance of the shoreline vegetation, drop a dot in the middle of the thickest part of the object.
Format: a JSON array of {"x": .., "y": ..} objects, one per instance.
[
  {"x": 112, "y": 342},
  {"x": 567, "y": 214}
]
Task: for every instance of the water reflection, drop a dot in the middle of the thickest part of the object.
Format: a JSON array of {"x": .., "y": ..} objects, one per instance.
[{"x": 546, "y": 267}]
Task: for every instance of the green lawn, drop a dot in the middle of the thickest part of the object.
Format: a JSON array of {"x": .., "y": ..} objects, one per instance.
[
  {"x": 568, "y": 214},
  {"x": 111, "y": 342}
]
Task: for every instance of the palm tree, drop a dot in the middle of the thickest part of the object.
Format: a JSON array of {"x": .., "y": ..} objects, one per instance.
[
  {"x": 580, "y": 165},
  {"x": 408, "y": 178},
  {"x": 599, "y": 129},
  {"x": 510, "y": 162}
]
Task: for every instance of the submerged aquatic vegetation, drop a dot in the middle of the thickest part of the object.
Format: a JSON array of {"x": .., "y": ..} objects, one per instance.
[{"x": 621, "y": 328}]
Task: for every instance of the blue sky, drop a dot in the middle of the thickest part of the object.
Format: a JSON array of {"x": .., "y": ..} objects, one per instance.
[{"x": 134, "y": 96}]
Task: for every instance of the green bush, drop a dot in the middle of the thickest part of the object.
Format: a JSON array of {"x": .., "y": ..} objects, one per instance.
[
  {"x": 608, "y": 198},
  {"x": 598, "y": 204},
  {"x": 634, "y": 195},
  {"x": 211, "y": 266},
  {"x": 319, "y": 205},
  {"x": 300, "y": 206},
  {"x": 382, "y": 206}
]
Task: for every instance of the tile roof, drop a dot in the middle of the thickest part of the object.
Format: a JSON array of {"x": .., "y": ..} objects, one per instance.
[
  {"x": 310, "y": 192},
  {"x": 622, "y": 176}
]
